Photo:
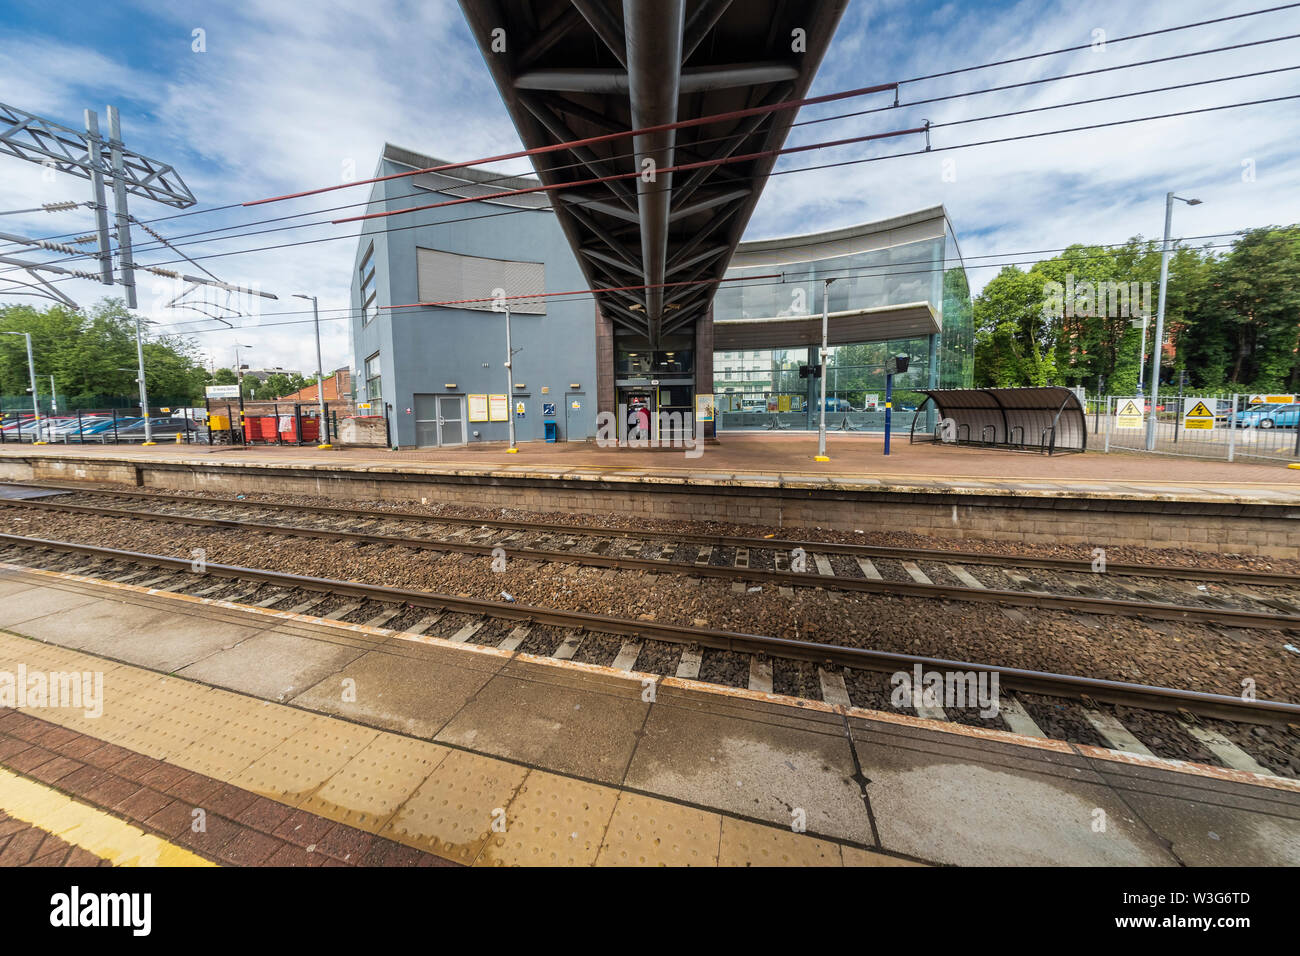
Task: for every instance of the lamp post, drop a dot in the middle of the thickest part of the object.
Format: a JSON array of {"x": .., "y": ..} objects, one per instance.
[
  {"x": 1160, "y": 315},
  {"x": 510, "y": 383},
  {"x": 320, "y": 372},
  {"x": 821, "y": 372},
  {"x": 1142, "y": 354},
  {"x": 239, "y": 380},
  {"x": 31, "y": 372}
]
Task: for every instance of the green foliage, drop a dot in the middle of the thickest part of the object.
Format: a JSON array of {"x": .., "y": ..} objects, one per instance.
[
  {"x": 1231, "y": 317},
  {"x": 92, "y": 356}
]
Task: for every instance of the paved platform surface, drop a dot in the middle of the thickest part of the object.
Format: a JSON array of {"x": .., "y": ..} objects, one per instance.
[
  {"x": 304, "y": 742},
  {"x": 856, "y": 462}
]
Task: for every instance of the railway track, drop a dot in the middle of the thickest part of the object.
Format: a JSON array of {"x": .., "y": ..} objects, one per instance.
[
  {"x": 1230, "y": 598},
  {"x": 1242, "y": 734}
]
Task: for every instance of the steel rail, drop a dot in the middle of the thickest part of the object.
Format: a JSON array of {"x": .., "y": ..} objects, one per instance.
[
  {"x": 1178, "y": 572},
  {"x": 1231, "y": 617},
  {"x": 1200, "y": 703},
  {"x": 1235, "y": 617}
]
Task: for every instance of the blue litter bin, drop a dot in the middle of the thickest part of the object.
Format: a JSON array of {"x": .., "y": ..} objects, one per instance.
[{"x": 550, "y": 431}]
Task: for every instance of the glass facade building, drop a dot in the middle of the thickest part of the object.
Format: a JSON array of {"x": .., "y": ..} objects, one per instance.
[{"x": 898, "y": 287}]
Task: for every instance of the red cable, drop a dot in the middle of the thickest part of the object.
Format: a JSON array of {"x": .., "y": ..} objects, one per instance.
[
  {"x": 604, "y": 138},
  {"x": 604, "y": 179},
  {"x": 618, "y": 288}
]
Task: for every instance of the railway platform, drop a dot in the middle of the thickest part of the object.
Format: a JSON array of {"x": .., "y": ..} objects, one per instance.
[
  {"x": 296, "y": 740},
  {"x": 1094, "y": 499}
]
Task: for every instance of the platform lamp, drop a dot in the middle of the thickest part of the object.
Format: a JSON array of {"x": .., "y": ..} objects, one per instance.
[
  {"x": 239, "y": 381},
  {"x": 1157, "y": 346},
  {"x": 31, "y": 372},
  {"x": 821, "y": 372},
  {"x": 320, "y": 374}
]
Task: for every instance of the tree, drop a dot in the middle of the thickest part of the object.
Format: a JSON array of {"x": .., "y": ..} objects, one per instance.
[{"x": 92, "y": 356}]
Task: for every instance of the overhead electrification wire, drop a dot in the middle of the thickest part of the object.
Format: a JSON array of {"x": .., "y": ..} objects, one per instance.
[
  {"x": 756, "y": 110},
  {"x": 868, "y": 159},
  {"x": 863, "y": 112},
  {"x": 211, "y": 233},
  {"x": 786, "y": 279}
]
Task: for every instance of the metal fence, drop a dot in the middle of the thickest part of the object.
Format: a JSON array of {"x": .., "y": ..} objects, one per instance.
[
  {"x": 217, "y": 423},
  {"x": 1233, "y": 429}
]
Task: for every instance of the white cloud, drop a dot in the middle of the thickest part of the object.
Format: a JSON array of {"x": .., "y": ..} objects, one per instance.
[{"x": 286, "y": 94}]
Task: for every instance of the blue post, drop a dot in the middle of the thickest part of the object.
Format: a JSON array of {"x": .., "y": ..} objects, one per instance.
[{"x": 889, "y": 407}]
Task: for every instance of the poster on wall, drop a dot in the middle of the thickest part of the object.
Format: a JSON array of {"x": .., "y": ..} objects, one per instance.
[
  {"x": 499, "y": 408},
  {"x": 478, "y": 408},
  {"x": 704, "y": 407}
]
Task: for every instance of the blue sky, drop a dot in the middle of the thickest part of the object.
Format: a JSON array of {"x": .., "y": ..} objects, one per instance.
[{"x": 290, "y": 95}]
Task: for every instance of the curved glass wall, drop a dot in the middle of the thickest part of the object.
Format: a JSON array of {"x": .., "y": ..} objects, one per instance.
[{"x": 761, "y": 388}]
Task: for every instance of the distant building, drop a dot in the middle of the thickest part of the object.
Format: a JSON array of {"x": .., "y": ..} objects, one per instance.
[
  {"x": 338, "y": 388},
  {"x": 429, "y": 348}
]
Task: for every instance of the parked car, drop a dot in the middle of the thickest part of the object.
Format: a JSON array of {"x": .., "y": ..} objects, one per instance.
[
  {"x": 159, "y": 427},
  {"x": 1269, "y": 416}
]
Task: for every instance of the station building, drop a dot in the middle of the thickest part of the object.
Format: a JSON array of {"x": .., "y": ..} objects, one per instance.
[{"x": 437, "y": 371}]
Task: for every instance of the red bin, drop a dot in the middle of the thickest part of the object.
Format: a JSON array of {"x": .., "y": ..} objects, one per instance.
[{"x": 310, "y": 430}]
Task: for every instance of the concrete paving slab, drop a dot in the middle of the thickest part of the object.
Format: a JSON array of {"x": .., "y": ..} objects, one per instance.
[
  {"x": 570, "y": 723},
  {"x": 761, "y": 762},
  {"x": 410, "y": 693},
  {"x": 37, "y": 602},
  {"x": 273, "y": 664},
  {"x": 1208, "y": 834},
  {"x": 139, "y": 634},
  {"x": 933, "y": 802}
]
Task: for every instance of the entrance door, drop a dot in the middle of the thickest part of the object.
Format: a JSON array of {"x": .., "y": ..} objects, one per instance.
[
  {"x": 426, "y": 421},
  {"x": 575, "y": 416},
  {"x": 451, "y": 420}
]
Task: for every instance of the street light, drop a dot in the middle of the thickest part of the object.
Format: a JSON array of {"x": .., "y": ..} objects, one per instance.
[
  {"x": 510, "y": 382},
  {"x": 821, "y": 371},
  {"x": 320, "y": 372},
  {"x": 239, "y": 381},
  {"x": 1160, "y": 315},
  {"x": 31, "y": 372}
]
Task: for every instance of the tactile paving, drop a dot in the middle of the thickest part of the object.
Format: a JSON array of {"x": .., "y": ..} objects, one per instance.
[
  {"x": 455, "y": 809},
  {"x": 648, "y": 832},
  {"x": 294, "y": 768},
  {"x": 372, "y": 785},
  {"x": 251, "y": 729},
  {"x": 751, "y": 844},
  {"x": 554, "y": 821}
]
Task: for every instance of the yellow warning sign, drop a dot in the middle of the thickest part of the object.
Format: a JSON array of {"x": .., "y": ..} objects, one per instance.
[
  {"x": 1196, "y": 414},
  {"x": 1129, "y": 415}
]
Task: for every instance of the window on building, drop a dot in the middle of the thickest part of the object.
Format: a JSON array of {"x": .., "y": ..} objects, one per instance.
[
  {"x": 374, "y": 383},
  {"x": 449, "y": 277},
  {"x": 369, "y": 307}
]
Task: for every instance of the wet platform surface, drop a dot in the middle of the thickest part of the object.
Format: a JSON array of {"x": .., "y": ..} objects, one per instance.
[{"x": 319, "y": 743}]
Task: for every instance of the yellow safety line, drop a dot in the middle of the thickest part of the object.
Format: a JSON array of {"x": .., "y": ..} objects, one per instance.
[{"x": 85, "y": 826}]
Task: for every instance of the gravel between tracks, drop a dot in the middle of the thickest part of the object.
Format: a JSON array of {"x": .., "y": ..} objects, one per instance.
[
  {"x": 1193, "y": 657},
  {"x": 895, "y": 539}
]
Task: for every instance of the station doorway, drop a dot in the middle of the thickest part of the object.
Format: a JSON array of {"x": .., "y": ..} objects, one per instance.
[{"x": 439, "y": 420}]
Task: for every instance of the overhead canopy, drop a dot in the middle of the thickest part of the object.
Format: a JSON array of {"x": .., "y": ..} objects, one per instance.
[
  {"x": 1044, "y": 419},
  {"x": 573, "y": 70},
  {"x": 878, "y": 324}
]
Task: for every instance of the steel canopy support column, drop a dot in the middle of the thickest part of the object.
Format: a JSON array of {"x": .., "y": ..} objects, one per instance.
[
  {"x": 93, "y": 151},
  {"x": 654, "y": 40}
]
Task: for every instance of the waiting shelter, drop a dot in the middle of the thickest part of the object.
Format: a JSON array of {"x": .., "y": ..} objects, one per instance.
[{"x": 1046, "y": 420}]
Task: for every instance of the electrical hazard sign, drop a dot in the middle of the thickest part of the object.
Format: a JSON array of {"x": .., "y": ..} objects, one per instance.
[
  {"x": 1196, "y": 414},
  {"x": 1129, "y": 414}
]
